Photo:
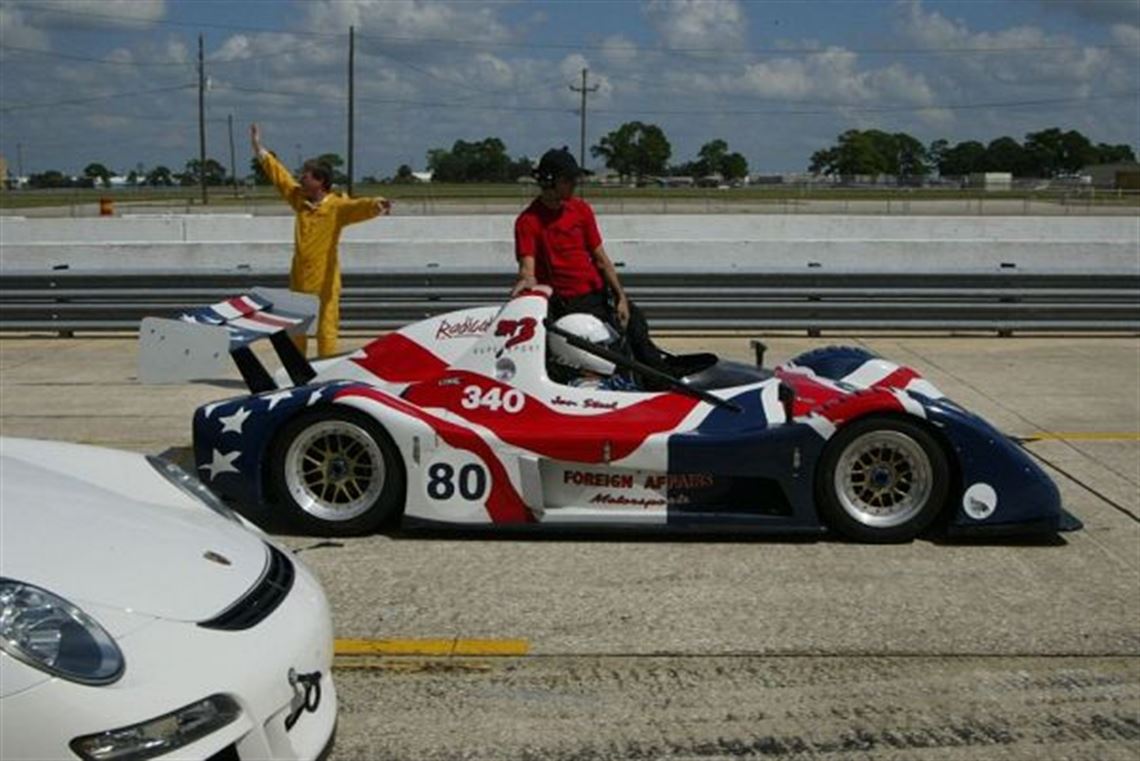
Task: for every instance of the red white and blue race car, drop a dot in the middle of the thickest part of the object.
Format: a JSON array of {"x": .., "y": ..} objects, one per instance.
[{"x": 456, "y": 420}]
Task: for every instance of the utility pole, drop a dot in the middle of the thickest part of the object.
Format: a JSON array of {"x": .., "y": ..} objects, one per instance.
[
  {"x": 202, "y": 121},
  {"x": 585, "y": 91},
  {"x": 351, "y": 100},
  {"x": 233, "y": 167}
]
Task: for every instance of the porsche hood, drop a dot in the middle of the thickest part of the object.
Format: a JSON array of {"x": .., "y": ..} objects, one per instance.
[{"x": 101, "y": 526}]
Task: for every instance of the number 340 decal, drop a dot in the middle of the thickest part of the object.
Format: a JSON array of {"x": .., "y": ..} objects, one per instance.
[{"x": 509, "y": 400}]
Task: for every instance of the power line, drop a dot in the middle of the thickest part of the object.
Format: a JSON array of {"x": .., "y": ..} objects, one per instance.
[
  {"x": 93, "y": 98},
  {"x": 822, "y": 109},
  {"x": 144, "y": 63}
]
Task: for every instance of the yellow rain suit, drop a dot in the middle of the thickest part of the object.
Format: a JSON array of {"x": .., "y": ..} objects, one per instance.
[{"x": 316, "y": 232}]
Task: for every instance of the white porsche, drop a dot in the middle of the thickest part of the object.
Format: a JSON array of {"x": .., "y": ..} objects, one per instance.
[{"x": 141, "y": 619}]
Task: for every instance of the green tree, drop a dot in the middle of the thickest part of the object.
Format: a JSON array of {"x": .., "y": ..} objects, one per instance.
[
  {"x": 873, "y": 152},
  {"x": 214, "y": 171},
  {"x": 634, "y": 150},
  {"x": 1006, "y": 155},
  {"x": 404, "y": 174},
  {"x": 160, "y": 175},
  {"x": 336, "y": 162},
  {"x": 52, "y": 178},
  {"x": 937, "y": 151},
  {"x": 735, "y": 167},
  {"x": 481, "y": 161},
  {"x": 96, "y": 171},
  {"x": 964, "y": 158},
  {"x": 714, "y": 158},
  {"x": 711, "y": 156},
  {"x": 1114, "y": 154},
  {"x": 911, "y": 157},
  {"x": 1054, "y": 152}
]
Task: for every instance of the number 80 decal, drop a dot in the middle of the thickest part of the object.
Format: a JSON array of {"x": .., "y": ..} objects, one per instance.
[
  {"x": 509, "y": 400},
  {"x": 446, "y": 481}
]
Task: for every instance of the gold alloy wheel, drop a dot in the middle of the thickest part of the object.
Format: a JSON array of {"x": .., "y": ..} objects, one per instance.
[{"x": 334, "y": 470}]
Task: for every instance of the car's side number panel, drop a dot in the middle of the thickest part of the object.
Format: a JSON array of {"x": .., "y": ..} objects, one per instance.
[
  {"x": 509, "y": 400},
  {"x": 468, "y": 482}
]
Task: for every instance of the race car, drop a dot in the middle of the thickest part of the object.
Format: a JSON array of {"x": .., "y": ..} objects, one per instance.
[{"x": 457, "y": 419}]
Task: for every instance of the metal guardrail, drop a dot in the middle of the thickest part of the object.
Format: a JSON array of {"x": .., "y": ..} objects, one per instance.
[{"x": 813, "y": 300}]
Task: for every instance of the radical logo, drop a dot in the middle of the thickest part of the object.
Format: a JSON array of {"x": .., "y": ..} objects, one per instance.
[
  {"x": 469, "y": 327},
  {"x": 517, "y": 331}
]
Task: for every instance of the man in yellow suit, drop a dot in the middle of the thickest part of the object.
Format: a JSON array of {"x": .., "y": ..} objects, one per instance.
[{"x": 321, "y": 215}]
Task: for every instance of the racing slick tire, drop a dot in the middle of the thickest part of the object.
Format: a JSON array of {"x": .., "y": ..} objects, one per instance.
[
  {"x": 336, "y": 473},
  {"x": 882, "y": 480}
]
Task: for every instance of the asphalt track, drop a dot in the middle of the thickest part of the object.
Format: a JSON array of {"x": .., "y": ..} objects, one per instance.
[{"x": 583, "y": 648}]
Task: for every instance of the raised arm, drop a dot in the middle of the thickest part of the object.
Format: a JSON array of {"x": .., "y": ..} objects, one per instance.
[{"x": 275, "y": 171}]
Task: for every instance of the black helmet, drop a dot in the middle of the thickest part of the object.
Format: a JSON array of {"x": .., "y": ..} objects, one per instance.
[{"x": 555, "y": 163}]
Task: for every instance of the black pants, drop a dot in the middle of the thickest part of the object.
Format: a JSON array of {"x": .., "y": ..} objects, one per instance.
[{"x": 635, "y": 333}]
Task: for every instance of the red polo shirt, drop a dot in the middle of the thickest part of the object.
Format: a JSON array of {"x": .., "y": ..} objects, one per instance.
[{"x": 561, "y": 241}]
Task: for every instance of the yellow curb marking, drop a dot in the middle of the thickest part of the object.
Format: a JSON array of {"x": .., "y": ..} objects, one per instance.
[
  {"x": 444, "y": 648},
  {"x": 412, "y": 665},
  {"x": 1082, "y": 436}
]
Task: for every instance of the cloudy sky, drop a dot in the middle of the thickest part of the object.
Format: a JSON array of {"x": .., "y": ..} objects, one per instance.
[{"x": 115, "y": 81}]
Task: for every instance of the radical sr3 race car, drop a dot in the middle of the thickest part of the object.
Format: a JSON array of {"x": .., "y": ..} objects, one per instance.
[{"x": 456, "y": 420}]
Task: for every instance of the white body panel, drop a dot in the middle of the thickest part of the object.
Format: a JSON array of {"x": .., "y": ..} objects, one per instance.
[{"x": 105, "y": 531}]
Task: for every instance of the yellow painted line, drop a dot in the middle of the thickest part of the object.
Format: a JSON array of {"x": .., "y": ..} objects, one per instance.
[
  {"x": 439, "y": 648},
  {"x": 1083, "y": 436},
  {"x": 413, "y": 665}
]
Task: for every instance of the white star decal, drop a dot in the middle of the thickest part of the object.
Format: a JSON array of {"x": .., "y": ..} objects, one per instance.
[
  {"x": 211, "y": 407},
  {"x": 235, "y": 421},
  {"x": 222, "y": 463},
  {"x": 280, "y": 396},
  {"x": 314, "y": 398}
]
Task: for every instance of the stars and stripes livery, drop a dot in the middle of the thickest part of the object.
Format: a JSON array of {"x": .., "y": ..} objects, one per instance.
[{"x": 455, "y": 420}]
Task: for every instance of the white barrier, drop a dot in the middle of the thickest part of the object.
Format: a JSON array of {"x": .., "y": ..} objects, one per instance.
[{"x": 645, "y": 242}]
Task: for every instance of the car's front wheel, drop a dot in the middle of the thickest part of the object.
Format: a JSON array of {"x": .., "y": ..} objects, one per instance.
[
  {"x": 882, "y": 480},
  {"x": 337, "y": 473}
]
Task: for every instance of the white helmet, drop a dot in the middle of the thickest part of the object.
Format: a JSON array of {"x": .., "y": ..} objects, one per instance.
[{"x": 589, "y": 328}]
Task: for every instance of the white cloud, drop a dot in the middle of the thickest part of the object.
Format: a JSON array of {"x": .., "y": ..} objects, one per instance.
[
  {"x": 1128, "y": 35},
  {"x": 616, "y": 50},
  {"x": 16, "y": 30},
  {"x": 698, "y": 25},
  {"x": 419, "y": 21}
]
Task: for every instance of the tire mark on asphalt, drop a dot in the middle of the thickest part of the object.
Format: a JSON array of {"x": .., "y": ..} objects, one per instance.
[{"x": 587, "y": 709}]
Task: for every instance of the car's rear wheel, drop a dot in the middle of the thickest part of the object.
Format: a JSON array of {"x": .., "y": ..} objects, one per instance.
[
  {"x": 337, "y": 473},
  {"x": 882, "y": 480}
]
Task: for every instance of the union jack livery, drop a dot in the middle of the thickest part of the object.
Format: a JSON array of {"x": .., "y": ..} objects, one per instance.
[{"x": 455, "y": 420}]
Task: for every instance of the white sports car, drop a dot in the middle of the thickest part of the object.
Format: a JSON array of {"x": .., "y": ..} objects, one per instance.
[{"x": 140, "y": 618}]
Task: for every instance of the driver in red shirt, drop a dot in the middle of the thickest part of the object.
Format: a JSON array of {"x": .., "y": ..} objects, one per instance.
[{"x": 557, "y": 243}]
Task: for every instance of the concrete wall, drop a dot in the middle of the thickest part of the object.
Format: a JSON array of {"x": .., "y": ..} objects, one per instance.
[{"x": 653, "y": 241}]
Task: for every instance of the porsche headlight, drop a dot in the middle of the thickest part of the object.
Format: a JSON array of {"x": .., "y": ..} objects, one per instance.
[
  {"x": 47, "y": 632},
  {"x": 191, "y": 486}
]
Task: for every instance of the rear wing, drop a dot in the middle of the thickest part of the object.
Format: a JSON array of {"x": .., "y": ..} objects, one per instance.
[{"x": 195, "y": 345}]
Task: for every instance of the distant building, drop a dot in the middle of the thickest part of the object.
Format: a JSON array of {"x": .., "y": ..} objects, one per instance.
[
  {"x": 674, "y": 182},
  {"x": 1122, "y": 176},
  {"x": 990, "y": 180},
  {"x": 423, "y": 176}
]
